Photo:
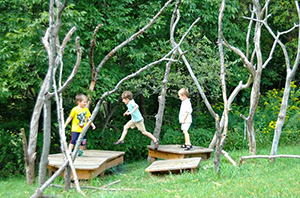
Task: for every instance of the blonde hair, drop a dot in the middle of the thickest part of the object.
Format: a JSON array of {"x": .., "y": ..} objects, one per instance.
[
  {"x": 127, "y": 94},
  {"x": 184, "y": 91},
  {"x": 80, "y": 97}
]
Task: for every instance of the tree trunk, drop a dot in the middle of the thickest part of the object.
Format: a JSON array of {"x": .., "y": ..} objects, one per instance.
[
  {"x": 285, "y": 98},
  {"x": 254, "y": 100},
  {"x": 46, "y": 142},
  {"x": 31, "y": 152},
  {"x": 162, "y": 100},
  {"x": 221, "y": 140},
  {"x": 33, "y": 133},
  {"x": 281, "y": 115},
  {"x": 255, "y": 92}
]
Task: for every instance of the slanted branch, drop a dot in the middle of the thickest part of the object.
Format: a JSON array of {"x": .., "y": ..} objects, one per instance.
[{"x": 270, "y": 157}]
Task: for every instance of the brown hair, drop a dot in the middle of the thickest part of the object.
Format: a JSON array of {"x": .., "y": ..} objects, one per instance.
[
  {"x": 184, "y": 91},
  {"x": 80, "y": 97},
  {"x": 127, "y": 94}
]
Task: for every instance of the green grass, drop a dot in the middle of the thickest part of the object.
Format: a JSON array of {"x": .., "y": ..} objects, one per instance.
[{"x": 255, "y": 178}]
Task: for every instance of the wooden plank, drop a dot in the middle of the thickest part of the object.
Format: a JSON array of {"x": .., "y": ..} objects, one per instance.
[
  {"x": 175, "y": 152},
  {"x": 91, "y": 164},
  {"x": 173, "y": 165},
  {"x": 108, "y": 165},
  {"x": 91, "y": 159},
  {"x": 164, "y": 155},
  {"x": 174, "y": 148}
]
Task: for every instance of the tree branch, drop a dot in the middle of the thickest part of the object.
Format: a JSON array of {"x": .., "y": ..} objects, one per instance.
[
  {"x": 129, "y": 40},
  {"x": 73, "y": 73},
  {"x": 244, "y": 158}
]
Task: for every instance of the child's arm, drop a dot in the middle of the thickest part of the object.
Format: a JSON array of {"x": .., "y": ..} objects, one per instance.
[
  {"x": 90, "y": 122},
  {"x": 187, "y": 114},
  {"x": 134, "y": 109},
  {"x": 126, "y": 113},
  {"x": 93, "y": 126},
  {"x": 67, "y": 121}
]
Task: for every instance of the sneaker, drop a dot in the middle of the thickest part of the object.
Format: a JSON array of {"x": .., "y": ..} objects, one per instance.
[
  {"x": 188, "y": 147},
  {"x": 156, "y": 144},
  {"x": 119, "y": 142},
  {"x": 80, "y": 153},
  {"x": 183, "y": 146}
]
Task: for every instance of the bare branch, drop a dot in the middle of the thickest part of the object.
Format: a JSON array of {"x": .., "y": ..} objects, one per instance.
[
  {"x": 244, "y": 158},
  {"x": 130, "y": 39},
  {"x": 287, "y": 59},
  {"x": 265, "y": 9},
  {"x": 74, "y": 71},
  {"x": 248, "y": 35},
  {"x": 45, "y": 41},
  {"x": 92, "y": 49},
  {"x": 66, "y": 40},
  {"x": 245, "y": 60},
  {"x": 296, "y": 63},
  {"x": 25, "y": 147},
  {"x": 237, "y": 90},
  {"x": 228, "y": 157}
]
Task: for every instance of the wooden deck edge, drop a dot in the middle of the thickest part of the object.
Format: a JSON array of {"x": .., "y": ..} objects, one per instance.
[{"x": 94, "y": 172}]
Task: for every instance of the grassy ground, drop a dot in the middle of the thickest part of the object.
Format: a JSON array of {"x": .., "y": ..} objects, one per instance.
[{"x": 255, "y": 178}]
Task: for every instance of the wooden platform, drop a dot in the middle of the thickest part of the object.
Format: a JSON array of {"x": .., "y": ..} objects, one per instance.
[
  {"x": 91, "y": 164},
  {"x": 174, "y": 166},
  {"x": 175, "y": 152}
]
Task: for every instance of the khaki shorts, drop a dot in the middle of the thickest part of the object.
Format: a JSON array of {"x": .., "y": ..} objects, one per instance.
[
  {"x": 185, "y": 126},
  {"x": 139, "y": 125}
]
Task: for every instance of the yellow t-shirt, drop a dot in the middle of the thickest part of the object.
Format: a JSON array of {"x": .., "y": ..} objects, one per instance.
[{"x": 80, "y": 117}]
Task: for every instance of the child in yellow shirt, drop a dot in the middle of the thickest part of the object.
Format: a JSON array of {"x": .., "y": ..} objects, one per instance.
[{"x": 80, "y": 117}]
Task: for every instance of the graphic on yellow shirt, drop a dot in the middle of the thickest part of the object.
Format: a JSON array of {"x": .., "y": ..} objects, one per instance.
[{"x": 80, "y": 117}]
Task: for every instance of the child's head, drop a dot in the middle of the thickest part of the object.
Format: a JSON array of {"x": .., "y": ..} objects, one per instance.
[
  {"x": 81, "y": 100},
  {"x": 183, "y": 93},
  {"x": 127, "y": 95}
]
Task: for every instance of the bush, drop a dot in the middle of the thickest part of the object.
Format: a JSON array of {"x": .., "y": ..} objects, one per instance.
[
  {"x": 11, "y": 155},
  {"x": 268, "y": 112}
]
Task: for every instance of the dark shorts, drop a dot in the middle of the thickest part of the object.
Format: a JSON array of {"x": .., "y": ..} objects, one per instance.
[{"x": 74, "y": 138}]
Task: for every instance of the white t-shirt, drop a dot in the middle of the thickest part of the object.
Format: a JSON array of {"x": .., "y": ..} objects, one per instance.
[{"x": 186, "y": 107}]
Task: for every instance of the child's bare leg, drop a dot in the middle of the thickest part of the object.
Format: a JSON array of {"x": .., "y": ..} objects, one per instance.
[
  {"x": 71, "y": 147},
  {"x": 124, "y": 133},
  {"x": 149, "y": 135},
  {"x": 80, "y": 147},
  {"x": 187, "y": 138}
]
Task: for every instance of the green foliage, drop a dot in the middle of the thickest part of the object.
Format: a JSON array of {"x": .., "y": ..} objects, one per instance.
[
  {"x": 11, "y": 155},
  {"x": 267, "y": 116},
  {"x": 265, "y": 121}
]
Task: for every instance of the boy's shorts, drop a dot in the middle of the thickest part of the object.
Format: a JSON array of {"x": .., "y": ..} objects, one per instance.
[
  {"x": 74, "y": 138},
  {"x": 139, "y": 125},
  {"x": 185, "y": 126}
]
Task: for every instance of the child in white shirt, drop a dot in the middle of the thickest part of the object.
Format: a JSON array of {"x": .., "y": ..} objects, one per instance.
[{"x": 185, "y": 116}]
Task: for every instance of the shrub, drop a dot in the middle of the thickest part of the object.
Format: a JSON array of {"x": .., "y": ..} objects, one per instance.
[{"x": 11, "y": 155}]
